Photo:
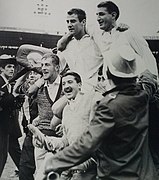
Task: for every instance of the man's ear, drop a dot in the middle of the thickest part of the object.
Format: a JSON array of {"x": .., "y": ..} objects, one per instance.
[
  {"x": 1, "y": 69},
  {"x": 114, "y": 14},
  {"x": 57, "y": 68},
  {"x": 80, "y": 85},
  {"x": 84, "y": 22}
]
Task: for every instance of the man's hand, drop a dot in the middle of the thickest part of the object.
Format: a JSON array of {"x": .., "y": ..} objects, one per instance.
[
  {"x": 102, "y": 86},
  {"x": 62, "y": 43},
  {"x": 37, "y": 143},
  {"x": 38, "y": 136},
  {"x": 59, "y": 130},
  {"x": 122, "y": 27},
  {"x": 35, "y": 121}
]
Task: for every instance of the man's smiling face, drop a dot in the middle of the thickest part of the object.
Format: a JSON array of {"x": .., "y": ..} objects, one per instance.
[{"x": 70, "y": 86}]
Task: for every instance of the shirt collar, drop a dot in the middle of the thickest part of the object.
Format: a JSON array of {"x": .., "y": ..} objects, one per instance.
[
  {"x": 111, "y": 32},
  {"x": 56, "y": 82},
  {"x": 85, "y": 36}
]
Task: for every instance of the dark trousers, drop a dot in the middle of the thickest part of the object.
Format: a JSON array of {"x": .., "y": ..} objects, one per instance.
[
  {"x": 4, "y": 142},
  {"x": 14, "y": 150},
  {"x": 27, "y": 161}
]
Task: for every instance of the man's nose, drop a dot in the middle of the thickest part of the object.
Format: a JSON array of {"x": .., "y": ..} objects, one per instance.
[
  {"x": 12, "y": 69},
  {"x": 98, "y": 18},
  {"x": 69, "y": 24},
  {"x": 43, "y": 67}
]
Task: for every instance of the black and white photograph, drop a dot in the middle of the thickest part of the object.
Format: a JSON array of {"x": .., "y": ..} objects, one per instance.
[{"x": 79, "y": 90}]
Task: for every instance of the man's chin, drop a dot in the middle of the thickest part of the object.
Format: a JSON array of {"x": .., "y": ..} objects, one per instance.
[
  {"x": 45, "y": 77},
  {"x": 101, "y": 27},
  {"x": 72, "y": 32},
  {"x": 10, "y": 76}
]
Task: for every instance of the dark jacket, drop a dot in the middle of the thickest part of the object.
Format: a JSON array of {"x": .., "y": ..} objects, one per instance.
[
  {"x": 6, "y": 106},
  {"x": 118, "y": 136}
]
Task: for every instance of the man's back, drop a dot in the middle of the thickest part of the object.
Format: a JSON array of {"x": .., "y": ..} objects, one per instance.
[{"x": 124, "y": 152}]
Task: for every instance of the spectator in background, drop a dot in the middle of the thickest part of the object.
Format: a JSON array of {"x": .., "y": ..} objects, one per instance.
[
  {"x": 30, "y": 112},
  {"x": 14, "y": 145},
  {"x": 8, "y": 103}
]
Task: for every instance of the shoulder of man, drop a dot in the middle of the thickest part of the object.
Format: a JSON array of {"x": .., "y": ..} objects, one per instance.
[{"x": 107, "y": 98}]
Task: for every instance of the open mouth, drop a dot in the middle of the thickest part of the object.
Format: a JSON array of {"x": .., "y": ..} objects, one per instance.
[
  {"x": 45, "y": 73},
  {"x": 100, "y": 23},
  {"x": 68, "y": 90},
  {"x": 71, "y": 29}
]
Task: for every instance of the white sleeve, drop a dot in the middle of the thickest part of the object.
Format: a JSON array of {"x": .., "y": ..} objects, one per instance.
[{"x": 141, "y": 47}]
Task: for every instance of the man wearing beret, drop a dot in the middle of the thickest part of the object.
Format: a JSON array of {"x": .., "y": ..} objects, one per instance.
[{"x": 8, "y": 103}]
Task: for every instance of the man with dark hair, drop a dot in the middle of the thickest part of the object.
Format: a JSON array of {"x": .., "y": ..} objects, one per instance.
[
  {"x": 82, "y": 54},
  {"x": 80, "y": 13},
  {"x": 109, "y": 36},
  {"x": 76, "y": 117},
  {"x": 8, "y": 105},
  {"x": 118, "y": 133}
]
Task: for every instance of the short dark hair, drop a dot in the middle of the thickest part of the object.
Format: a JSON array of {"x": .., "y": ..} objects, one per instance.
[
  {"x": 54, "y": 57},
  {"x": 79, "y": 12},
  {"x": 120, "y": 80},
  {"x": 75, "y": 75},
  {"x": 111, "y": 7}
]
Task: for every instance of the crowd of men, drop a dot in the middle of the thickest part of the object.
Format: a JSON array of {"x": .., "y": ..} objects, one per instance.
[{"x": 88, "y": 110}]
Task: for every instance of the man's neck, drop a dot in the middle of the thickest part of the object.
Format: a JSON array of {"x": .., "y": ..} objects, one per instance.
[
  {"x": 6, "y": 77},
  {"x": 111, "y": 27},
  {"x": 80, "y": 35},
  {"x": 52, "y": 79}
]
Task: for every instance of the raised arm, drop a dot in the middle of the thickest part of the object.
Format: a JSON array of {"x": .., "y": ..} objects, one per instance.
[
  {"x": 25, "y": 49},
  {"x": 62, "y": 43}
]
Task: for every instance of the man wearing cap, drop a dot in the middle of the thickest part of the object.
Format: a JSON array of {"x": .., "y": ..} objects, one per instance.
[
  {"x": 8, "y": 103},
  {"x": 118, "y": 133}
]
